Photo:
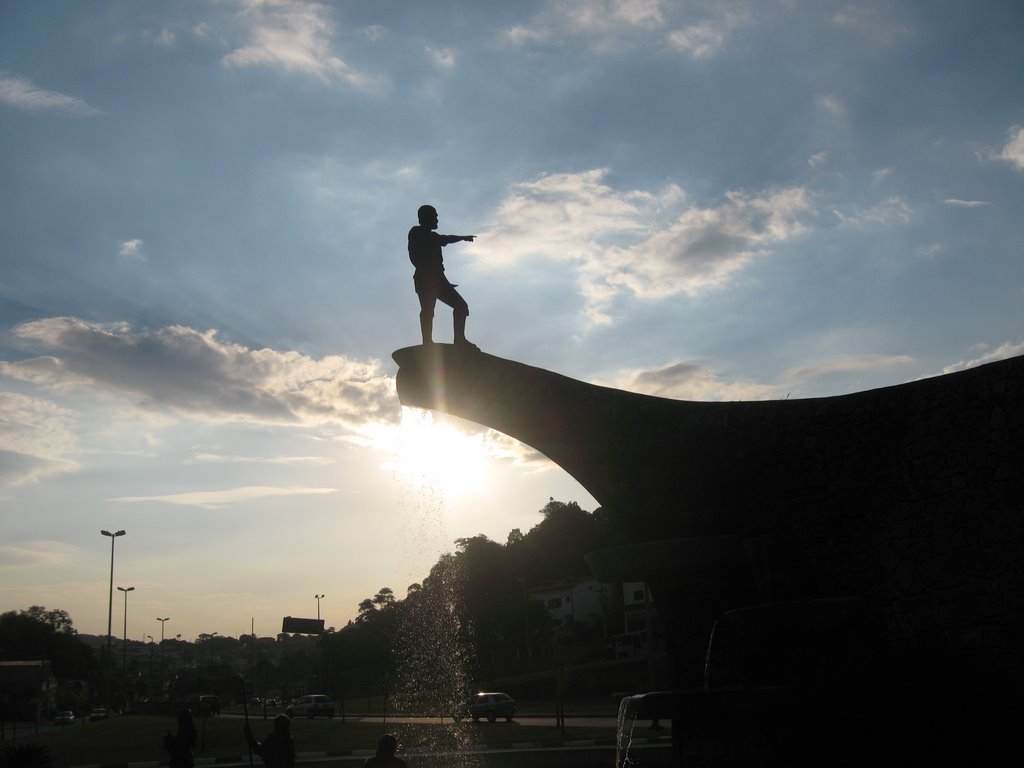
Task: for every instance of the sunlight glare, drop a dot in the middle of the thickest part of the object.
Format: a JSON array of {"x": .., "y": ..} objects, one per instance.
[{"x": 433, "y": 454}]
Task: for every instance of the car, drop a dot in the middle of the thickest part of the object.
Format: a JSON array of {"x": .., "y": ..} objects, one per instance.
[
  {"x": 209, "y": 704},
  {"x": 313, "y": 705},
  {"x": 99, "y": 713},
  {"x": 274, "y": 701},
  {"x": 491, "y": 705},
  {"x": 64, "y": 717}
]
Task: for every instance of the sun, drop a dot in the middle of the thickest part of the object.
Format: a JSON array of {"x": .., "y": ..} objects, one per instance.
[{"x": 434, "y": 455}]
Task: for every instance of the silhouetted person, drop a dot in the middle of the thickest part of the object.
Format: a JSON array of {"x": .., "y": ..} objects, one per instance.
[
  {"x": 429, "y": 279},
  {"x": 181, "y": 744},
  {"x": 385, "y": 757},
  {"x": 278, "y": 749}
]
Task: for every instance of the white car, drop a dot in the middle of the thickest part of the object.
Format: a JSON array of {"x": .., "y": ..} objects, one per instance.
[{"x": 314, "y": 705}]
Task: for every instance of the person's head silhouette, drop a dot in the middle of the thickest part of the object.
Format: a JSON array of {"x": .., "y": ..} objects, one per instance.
[
  {"x": 283, "y": 725},
  {"x": 387, "y": 746},
  {"x": 427, "y": 215}
]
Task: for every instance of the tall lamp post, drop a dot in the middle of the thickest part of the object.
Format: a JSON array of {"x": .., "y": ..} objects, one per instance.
[
  {"x": 110, "y": 613},
  {"x": 162, "y": 653},
  {"x": 318, "y": 599},
  {"x": 124, "y": 648}
]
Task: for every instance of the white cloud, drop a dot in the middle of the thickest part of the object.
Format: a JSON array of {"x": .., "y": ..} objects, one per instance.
[
  {"x": 30, "y": 554},
  {"x": 704, "y": 39},
  {"x": 598, "y": 20},
  {"x": 290, "y": 34},
  {"x": 195, "y": 373},
  {"x": 831, "y": 106},
  {"x": 891, "y": 211},
  {"x": 636, "y": 241},
  {"x": 1002, "y": 352},
  {"x": 846, "y": 364},
  {"x": 165, "y": 38},
  {"x": 226, "y": 497},
  {"x": 966, "y": 203},
  {"x": 688, "y": 380},
  {"x": 873, "y": 23},
  {"x": 35, "y": 437},
  {"x": 693, "y": 381},
  {"x": 21, "y": 94},
  {"x": 131, "y": 249},
  {"x": 1013, "y": 151},
  {"x": 442, "y": 57},
  {"x": 214, "y": 458},
  {"x": 817, "y": 159}
]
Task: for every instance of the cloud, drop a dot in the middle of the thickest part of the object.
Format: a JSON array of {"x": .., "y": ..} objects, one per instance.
[
  {"x": 845, "y": 364},
  {"x": 704, "y": 39},
  {"x": 33, "y": 554},
  {"x": 598, "y": 20},
  {"x": 689, "y": 380},
  {"x": 35, "y": 436},
  {"x": 1002, "y": 352},
  {"x": 966, "y": 203},
  {"x": 1013, "y": 151},
  {"x": 637, "y": 241},
  {"x": 197, "y": 374},
  {"x": 892, "y": 211},
  {"x": 131, "y": 249},
  {"x": 873, "y": 23},
  {"x": 214, "y": 458},
  {"x": 290, "y": 34},
  {"x": 442, "y": 57},
  {"x": 21, "y": 94},
  {"x": 693, "y": 381},
  {"x": 220, "y": 499}
]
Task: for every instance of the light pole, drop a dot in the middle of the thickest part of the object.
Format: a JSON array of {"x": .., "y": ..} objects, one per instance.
[
  {"x": 110, "y": 613},
  {"x": 162, "y": 653},
  {"x": 124, "y": 649},
  {"x": 318, "y": 599}
]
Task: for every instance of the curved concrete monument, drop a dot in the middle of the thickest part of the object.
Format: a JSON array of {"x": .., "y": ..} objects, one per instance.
[{"x": 908, "y": 498}]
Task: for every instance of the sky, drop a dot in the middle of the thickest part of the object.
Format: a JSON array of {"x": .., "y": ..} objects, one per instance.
[{"x": 204, "y": 271}]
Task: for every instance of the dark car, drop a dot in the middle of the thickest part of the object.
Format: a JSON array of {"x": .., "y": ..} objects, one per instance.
[
  {"x": 209, "y": 705},
  {"x": 489, "y": 705},
  {"x": 99, "y": 713},
  {"x": 314, "y": 705},
  {"x": 65, "y": 717}
]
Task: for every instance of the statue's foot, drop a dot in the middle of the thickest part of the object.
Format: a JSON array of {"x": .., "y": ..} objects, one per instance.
[{"x": 466, "y": 344}]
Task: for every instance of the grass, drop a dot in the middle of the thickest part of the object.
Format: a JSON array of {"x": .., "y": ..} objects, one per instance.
[{"x": 136, "y": 738}]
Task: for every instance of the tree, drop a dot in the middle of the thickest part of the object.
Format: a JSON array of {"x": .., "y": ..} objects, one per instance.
[{"x": 37, "y": 633}]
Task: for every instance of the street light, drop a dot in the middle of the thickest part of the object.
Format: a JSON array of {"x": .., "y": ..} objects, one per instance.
[
  {"x": 318, "y": 599},
  {"x": 161, "y": 653},
  {"x": 124, "y": 649},
  {"x": 110, "y": 610}
]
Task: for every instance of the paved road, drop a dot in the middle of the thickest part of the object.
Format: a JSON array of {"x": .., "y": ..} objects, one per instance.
[
  {"x": 541, "y": 757},
  {"x": 599, "y": 721}
]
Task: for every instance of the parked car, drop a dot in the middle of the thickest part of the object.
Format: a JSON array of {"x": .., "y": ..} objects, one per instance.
[
  {"x": 314, "y": 705},
  {"x": 209, "y": 704},
  {"x": 489, "y": 705},
  {"x": 274, "y": 701},
  {"x": 99, "y": 713},
  {"x": 65, "y": 717}
]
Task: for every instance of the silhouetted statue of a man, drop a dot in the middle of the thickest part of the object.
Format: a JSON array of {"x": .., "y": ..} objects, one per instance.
[{"x": 431, "y": 284}]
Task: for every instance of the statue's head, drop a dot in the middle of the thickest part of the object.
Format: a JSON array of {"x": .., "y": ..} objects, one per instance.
[{"x": 427, "y": 215}]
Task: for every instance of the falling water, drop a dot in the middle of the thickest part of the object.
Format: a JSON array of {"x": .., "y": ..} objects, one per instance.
[
  {"x": 431, "y": 651},
  {"x": 629, "y": 708}
]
